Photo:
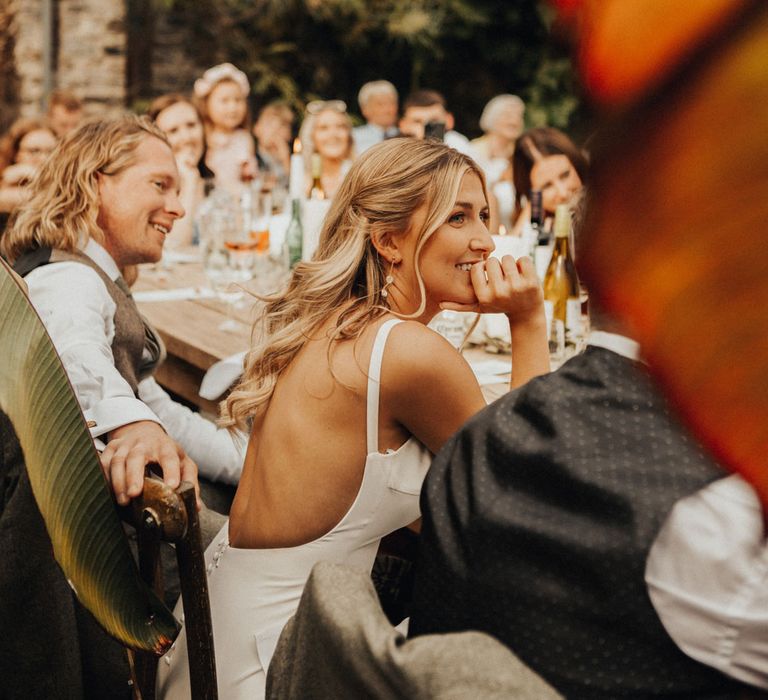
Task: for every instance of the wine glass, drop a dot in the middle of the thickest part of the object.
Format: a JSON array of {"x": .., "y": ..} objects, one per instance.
[
  {"x": 227, "y": 259},
  {"x": 260, "y": 216}
]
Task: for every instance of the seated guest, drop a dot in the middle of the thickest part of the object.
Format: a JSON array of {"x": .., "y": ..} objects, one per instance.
[
  {"x": 327, "y": 132},
  {"x": 182, "y": 124},
  {"x": 123, "y": 176},
  {"x": 348, "y": 391},
  {"x": 221, "y": 96},
  {"x": 23, "y": 149},
  {"x": 538, "y": 520},
  {"x": 546, "y": 159},
  {"x": 65, "y": 112},
  {"x": 272, "y": 131},
  {"x": 378, "y": 104},
  {"x": 502, "y": 121},
  {"x": 428, "y": 107}
]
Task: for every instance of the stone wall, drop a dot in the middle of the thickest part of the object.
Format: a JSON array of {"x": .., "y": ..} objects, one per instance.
[
  {"x": 98, "y": 52},
  {"x": 28, "y": 54},
  {"x": 92, "y": 48},
  {"x": 9, "y": 79}
]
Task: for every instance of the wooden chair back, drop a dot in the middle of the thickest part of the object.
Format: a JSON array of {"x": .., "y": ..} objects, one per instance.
[{"x": 80, "y": 515}]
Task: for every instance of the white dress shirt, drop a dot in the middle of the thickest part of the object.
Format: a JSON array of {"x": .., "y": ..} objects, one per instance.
[
  {"x": 78, "y": 313},
  {"x": 369, "y": 135},
  {"x": 458, "y": 141},
  {"x": 707, "y": 571}
]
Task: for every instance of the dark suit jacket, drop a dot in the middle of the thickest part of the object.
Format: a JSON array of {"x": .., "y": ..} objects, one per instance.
[
  {"x": 537, "y": 521},
  {"x": 50, "y": 646}
]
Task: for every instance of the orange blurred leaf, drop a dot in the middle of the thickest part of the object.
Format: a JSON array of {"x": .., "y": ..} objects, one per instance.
[
  {"x": 676, "y": 243},
  {"x": 625, "y": 46}
]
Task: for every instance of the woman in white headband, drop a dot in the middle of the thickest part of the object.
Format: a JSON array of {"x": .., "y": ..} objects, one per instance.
[{"x": 222, "y": 97}]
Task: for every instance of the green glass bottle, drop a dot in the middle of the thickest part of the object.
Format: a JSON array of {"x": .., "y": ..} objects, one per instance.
[{"x": 294, "y": 236}]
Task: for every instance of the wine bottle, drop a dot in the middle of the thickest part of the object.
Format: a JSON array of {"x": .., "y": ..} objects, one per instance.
[
  {"x": 294, "y": 235},
  {"x": 561, "y": 289},
  {"x": 317, "y": 191},
  {"x": 537, "y": 219}
]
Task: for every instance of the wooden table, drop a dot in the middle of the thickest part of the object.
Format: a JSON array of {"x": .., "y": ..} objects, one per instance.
[
  {"x": 193, "y": 340},
  {"x": 190, "y": 329}
]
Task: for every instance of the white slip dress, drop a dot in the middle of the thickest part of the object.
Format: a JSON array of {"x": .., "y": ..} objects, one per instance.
[{"x": 254, "y": 592}]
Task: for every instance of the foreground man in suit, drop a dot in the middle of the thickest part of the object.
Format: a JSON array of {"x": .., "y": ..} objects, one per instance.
[{"x": 578, "y": 523}]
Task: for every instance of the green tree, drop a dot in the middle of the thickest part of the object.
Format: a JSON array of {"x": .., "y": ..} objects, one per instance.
[{"x": 470, "y": 50}]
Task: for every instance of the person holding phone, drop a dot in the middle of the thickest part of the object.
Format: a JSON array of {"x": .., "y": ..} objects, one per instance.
[{"x": 425, "y": 115}]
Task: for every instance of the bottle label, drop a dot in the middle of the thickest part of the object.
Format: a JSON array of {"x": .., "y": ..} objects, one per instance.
[{"x": 573, "y": 319}]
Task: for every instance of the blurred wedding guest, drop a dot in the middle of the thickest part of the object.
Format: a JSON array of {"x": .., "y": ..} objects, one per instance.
[
  {"x": 378, "y": 104},
  {"x": 23, "y": 149},
  {"x": 222, "y": 97},
  {"x": 123, "y": 176},
  {"x": 327, "y": 132},
  {"x": 425, "y": 115},
  {"x": 272, "y": 131},
  {"x": 502, "y": 121},
  {"x": 182, "y": 124},
  {"x": 577, "y": 522},
  {"x": 348, "y": 392},
  {"x": 65, "y": 111},
  {"x": 546, "y": 159}
]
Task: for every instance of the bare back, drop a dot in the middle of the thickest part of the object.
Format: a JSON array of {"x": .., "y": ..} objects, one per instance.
[{"x": 306, "y": 455}]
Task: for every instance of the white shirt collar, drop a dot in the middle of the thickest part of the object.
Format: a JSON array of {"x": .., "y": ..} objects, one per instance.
[
  {"x": 98, "y": 253},
  {"x": 620, "y": 344}
]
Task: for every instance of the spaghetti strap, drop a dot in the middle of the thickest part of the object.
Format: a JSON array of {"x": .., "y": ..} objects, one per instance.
[{"x": 374, "y": 382}]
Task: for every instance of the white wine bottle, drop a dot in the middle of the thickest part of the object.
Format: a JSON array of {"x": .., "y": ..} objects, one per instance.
[
  {"x": 317, "y": 191},
  {"x": 561, "y": 289}
]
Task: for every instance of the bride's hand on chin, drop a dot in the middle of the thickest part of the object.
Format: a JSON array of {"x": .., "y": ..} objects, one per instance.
[{"x": 506, "y": 286}]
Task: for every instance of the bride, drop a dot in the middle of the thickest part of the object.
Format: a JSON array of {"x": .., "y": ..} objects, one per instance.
[{"x": 348, "y": 394}]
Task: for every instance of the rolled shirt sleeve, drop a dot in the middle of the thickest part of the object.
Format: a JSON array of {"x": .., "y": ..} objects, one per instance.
[
  {"x": 78, "y": 314},
  {"x": 218, "y": 453},
  {"x": 707, "y": 576}
]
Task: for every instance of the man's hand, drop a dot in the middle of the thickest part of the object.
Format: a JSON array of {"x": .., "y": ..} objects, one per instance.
[{"x": 131, "y": 447}]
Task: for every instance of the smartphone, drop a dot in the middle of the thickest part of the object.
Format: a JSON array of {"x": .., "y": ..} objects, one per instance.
[{"x": 434, "y": 131}]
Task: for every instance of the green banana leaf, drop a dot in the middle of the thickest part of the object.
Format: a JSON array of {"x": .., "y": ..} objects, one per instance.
[{"x": 70, "y": 489}]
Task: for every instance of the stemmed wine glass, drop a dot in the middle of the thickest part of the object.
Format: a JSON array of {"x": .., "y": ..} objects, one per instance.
[{"x": 227, "y": 258}]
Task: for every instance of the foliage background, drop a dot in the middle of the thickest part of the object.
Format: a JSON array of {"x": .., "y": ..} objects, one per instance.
[{"x": 470, "y": 50}]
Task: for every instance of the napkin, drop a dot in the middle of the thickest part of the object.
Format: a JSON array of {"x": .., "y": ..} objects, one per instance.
[
  {"x": 491, "y": 371},
  {"x": 516, "y": 246},
  {"x": 278, "y": 225},
  {"x": 312, "y": 217},
  {"x": 187, "y": 255},
  {"x": 178, "y": 294},
  {"x": 497, "y": 326},
  {"x": 221, "y": 376}
]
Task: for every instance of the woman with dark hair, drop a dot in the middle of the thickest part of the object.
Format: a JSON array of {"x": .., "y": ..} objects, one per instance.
[
  {"x": 546, "y": 159},
  {"x": 178, "y": 117}
]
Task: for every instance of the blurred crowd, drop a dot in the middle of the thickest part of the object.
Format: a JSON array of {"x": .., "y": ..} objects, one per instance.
[{"x": 217, "y": 141}]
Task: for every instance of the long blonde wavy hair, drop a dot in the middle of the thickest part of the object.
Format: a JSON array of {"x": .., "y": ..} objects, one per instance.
[
  {"x": 64, "y": 203},
  {"x": 378, "y": 197}
]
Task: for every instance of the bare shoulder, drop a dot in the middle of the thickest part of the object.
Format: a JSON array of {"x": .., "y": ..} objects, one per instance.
[
  {"x": 417, "y": 358},
  {"x": 427, "y": 385}
]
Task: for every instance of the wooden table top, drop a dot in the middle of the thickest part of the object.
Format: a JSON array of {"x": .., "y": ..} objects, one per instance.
[{"x": 191, "y": 330}]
